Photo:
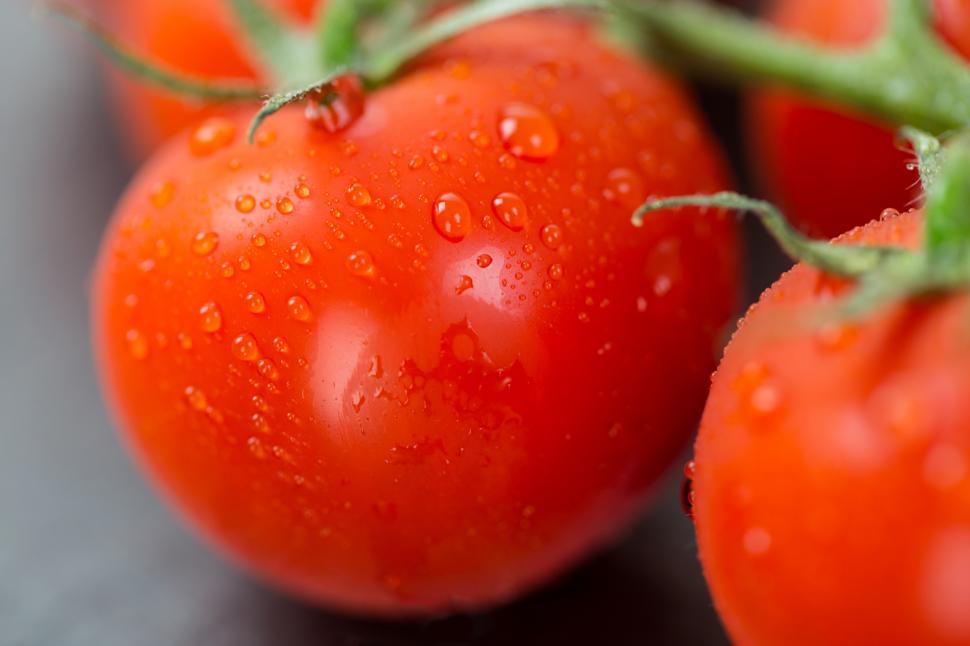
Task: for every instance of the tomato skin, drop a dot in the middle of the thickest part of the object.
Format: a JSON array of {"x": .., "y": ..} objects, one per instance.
[
  {"x": 195, "y": 37},
  {"x": 831, "y": 484},
  {"x": 419, "y": 445},
  {"x": 831, "y": 170}
]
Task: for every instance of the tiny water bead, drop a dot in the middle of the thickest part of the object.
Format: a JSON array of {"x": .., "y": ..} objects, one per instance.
[
  {"x": 196, "y": 398},
  {"x": 301, "y": 253},
  {"x": 624, "y": 187},
  {"x": 244, "y": 347},
  {"x": 284, "y": 205},
  {"x": 464, "y": 284},
  {"x": 358, "y": 195},
  {"x": 551, "y": 235},
  {"x": 258, "y": 239},
  {"x": 298, "y": 308},
  {"x": 527, "y": 132},
  {"x": 204, "y": 243},
  {"x": 511, "y": 210},
  {"x": 210, "y": 317},
  {"x": 302, "y": 191},
  {"x": 211, "y": 135},
  {"x": 245, "y": 203},
  {"x": 255, "y": 302},
  {"x": 452, "y": 217},
  {"x": 555, "y": 271},
  {"x": 483, "y": 260},
  {"x": 137, "y": 344},
  {"x": 361, "y": 263},
  {"x": 161, "y": 194}
]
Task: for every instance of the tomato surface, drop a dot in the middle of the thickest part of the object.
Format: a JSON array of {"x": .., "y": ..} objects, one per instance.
[
  {"x": 427, "y": 362},
  {"x": 831, "y": 170},
  {"x": 832, "y": 471},
  {"x": 194, "y": 37}
]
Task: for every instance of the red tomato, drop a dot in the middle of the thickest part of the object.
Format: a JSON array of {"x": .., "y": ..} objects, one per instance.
[
  {"x": 428, "y": 362},
  {"x": 832, "y": 478},
  {"x": 195, "y": 37},
  {"x": 831, "y": 171}
]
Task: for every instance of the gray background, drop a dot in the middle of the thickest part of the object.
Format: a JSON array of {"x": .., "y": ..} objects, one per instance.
[{"x": 88, "y": 556}]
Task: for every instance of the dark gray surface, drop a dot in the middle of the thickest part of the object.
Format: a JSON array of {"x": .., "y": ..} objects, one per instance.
[{"x": 87, "y": 554}]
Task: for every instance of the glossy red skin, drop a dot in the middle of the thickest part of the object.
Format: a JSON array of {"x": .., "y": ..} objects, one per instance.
[
  {"x": 447, "y": 474},
  {"x": 832, "y": 484},
  {"x": 829, "y": 170},
  {"x": 195, "y": 37}
]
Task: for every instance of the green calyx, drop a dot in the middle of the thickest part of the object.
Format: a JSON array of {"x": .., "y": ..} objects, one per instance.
[
  {"x": 881, "y": 273},
  {"x": 372, "y": 39}
]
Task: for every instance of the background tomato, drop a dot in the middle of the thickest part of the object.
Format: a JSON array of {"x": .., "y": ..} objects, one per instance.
[
  {"x": 425, "y": 363},
  {"x": 829, "y": 170},
  {"x": 195, "y": 37},
  {"x": 832, "y": 490}
]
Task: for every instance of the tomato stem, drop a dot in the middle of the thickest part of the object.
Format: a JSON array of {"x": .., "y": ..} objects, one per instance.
[
  {"x": 907, "y": 76},
  {"x": 131, "y": 63},
  {"x": 286, "y": 52}
]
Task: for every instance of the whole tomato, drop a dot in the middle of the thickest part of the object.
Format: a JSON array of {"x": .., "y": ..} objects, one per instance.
[
  {"x": 194, "y": 37},
  {"x": 831, "y": 170},
  {"x": 832, "y": 481},
  {"x": 425, "y": 363}
]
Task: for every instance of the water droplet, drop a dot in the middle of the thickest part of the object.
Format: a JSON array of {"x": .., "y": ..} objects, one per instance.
[
  {"x": 624, "y": 187},
  {"x": 284, "y": 205},
  {"x": 245, "y": 203},
  {"x": 358, "y": 195},
  {"x": 687, "y": 490},
  {"x": 244, "y": 347},
  {"x": 511, "y": 210},
  {"x": 137, "y": 344},
  {"x": 211, "y": 135},
  {"x": 756, "y": 541},
  {"x": 555, "y": 271},
  {"x": 302, "y": 191},
  {"x": 210, "y": 317},
  {"x": 256, "y": 447},
  {"x": 226, "y": 270},
  {"x": 551, "y": 235},
  {"x": 185, "y": 341},
  {"x": 416, "y": 162},
  {"x": 464, "y": 284},
  {"x": 255, "y": 302},
  {"x": 281, "y": 345},
  {"x": 836, "y": 336},
  {"x": 298, "y": 308},
  {"x": 452, "y": 217},
  {"x": 336, "y": 105},
  {"x": 439, "y": 153},
  {"x": 527, "y": 132},
  {"x": 161, "y": 194},
  {"x": 484, "y": 260},
  {"x": 268, "y": 369},
  {"x": 361, "y": 263},
  {"x": 205, "y": 242},
  {"x": 357, "y": 401},
  {"x": 301, "y": 253},
  {"x": 196, "y": 398}
]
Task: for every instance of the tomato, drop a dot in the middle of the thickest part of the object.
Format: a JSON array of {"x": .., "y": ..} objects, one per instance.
[
  {"x": 832, "y": 478},
  {"x": 195, "y": 37},
  {"x": 427, "y": 362},
  {"x": 832, "y": 171}
]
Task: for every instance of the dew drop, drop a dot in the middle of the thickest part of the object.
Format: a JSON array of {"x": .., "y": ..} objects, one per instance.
[
  {"x": 361, "y": 263},
  {"x": 527, "y": 132},
  {"x": 267, "y": 369},
  {"x": 555, "y": 271},
  {"x": 210, "y": 317},
  {"x": 301, "y": 253},
  {"x": 302, "y": 191},
  {"x": 245, "y": 203},
  {"x": 226, "y": 270},
  {"x": 204, "y": 243},
  {"x": 551, "y": 235},
  {"x": 452, "y": 217},
  {"x": 256, "y": 447},
  {"x": 244, "y": 347},
  {"x": 284, "y": 205},
  {"x": 137, "y": 344},
  {"x": 298, "y": 308},
  {"x": 255, "y": 302},
  {"x": 624, "y": 187},
  {"x": 464, "y": 284},
  {"x": 259, "y": 239},
  {"x": 211, "y": 135},
  {"x": 510, "y": 209},
  {"x": 484, "y": 260},
  {"x": 358, "y": 195},
  {"x": 161, "y": 194},
  {"x": 196, "y": 398}
]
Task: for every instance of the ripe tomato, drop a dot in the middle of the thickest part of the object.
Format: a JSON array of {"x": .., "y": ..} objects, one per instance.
[
  {"x": 196, "y": 37},
  {"x": 832, "y": 171},
  {"x": 427, "y": 362},
  {"x": 832, "y": 478}
]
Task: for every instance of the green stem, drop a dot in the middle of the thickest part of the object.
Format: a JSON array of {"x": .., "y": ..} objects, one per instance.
[
  {"x": 382, "y": 65},
  {"x": 338, "y": 33},
  {"x": 905, "y": 77},
  {"x": 839, "y": 260},
  {"x": 128, "y": 61},
  {"x": 284, "y": 51},
  {"x": 948, "y": 205}
]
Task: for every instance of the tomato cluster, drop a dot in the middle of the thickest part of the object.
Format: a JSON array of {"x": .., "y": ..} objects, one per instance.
[{"x": 407, "y": 353}]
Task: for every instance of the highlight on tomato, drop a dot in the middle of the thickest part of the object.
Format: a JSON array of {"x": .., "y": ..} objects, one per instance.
[{"x": 406, "y": 354}]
